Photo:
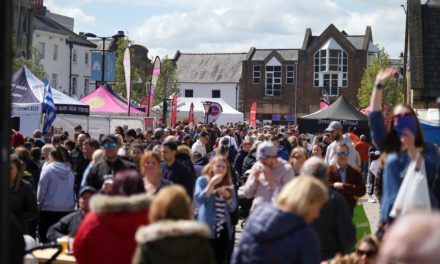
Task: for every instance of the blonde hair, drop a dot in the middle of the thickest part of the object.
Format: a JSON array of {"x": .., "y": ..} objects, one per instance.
[
  {"x": 183, "y": 149},
  {"x": 299, "y": 193},
  {"x": 171, "y": 202},
  {"x": 208, "y": 170},
  {"x": 98, "y": 155},
  {"x": 46, "y": 149}
]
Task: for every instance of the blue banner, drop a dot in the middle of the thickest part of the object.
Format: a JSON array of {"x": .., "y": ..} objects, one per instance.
[
  {"x": 96, "y": 59},
  {"x": 110, "y": 66}
]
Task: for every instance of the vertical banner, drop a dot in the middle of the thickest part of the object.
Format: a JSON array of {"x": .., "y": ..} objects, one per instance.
[
  {"x": 154, "y": 79},
  {"x": 110, "y": 66},
  {"x": 96, "y": 59},
  {"x": 127, "y": 72},
  {"x": 191, "y": 119},
  {"x": 174, "y": 110},
  {"x": 253, "y": 114}
]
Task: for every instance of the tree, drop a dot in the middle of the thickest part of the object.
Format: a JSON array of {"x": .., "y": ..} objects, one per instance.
[
  {"x": 392, "y": 92},
  {"x": 137, "y": 89},
  {"x": 33, "y": 63}
]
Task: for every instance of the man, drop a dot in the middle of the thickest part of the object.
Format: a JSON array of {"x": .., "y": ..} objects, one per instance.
[
  {"x": 281, "y": 153},
  {"x": 130, "y": 136},
  {"x": 325, "y": 143},
  {"x": 335, "y": 131},
  {"x": 38, "y": 138},
  {"x": 334, "y": 227},
  {"x": 159, "y": 135},
  {"x": 68, "y": 225},
  {"x": 148, "y": 136},
  {"x": 344, "y": 178},
  {"x": 413, "y": 238},
  {"x": 78, "y": 161},
  {"x": 362, "y": 147},
  {"x": 200, "y": 145},
  {"x": 268, "y": 176},
  {"x": 229, "y": 135},
  {"x": 241, "y": 155},
  {"x": 88, "y": 148},
  {"x": 173, "y": 170},
  {"x": 105, "y": 169}
]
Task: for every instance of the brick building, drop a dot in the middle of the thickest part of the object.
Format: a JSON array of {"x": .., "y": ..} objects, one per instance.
[
  {"x": 422, "y": 53},
  {"x": 289, "y": 82}
]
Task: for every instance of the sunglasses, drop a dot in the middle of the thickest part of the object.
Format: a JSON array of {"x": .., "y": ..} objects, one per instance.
[
  {"x": 109, "y": 145},
  {"x": 403, "y": 115},
  {"x": 342, "y": 153},
  {"x": 368, "y": 254}
]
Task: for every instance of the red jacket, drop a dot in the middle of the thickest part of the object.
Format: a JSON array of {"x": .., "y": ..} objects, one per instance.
[
  {"x": 354, "y": 186},
  {"x": 106, "y": 235}
]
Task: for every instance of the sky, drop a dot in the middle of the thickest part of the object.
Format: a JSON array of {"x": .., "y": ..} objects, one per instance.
[{"x": 206, "y": 26}]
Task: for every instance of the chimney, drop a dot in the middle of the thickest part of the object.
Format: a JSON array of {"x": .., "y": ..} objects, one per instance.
[{"x": 39, "y": 7}]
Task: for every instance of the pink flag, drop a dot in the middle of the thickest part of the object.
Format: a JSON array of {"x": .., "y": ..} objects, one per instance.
[
  {"x": 127, "y": 72},
  {"x": 253, "y": 114},
  {"x": 191, "y": 119},
  {"x": 154, "y": 79}
]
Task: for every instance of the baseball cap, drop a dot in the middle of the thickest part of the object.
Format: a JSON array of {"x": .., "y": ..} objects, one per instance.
[
  {"x": 158, "y": 133},
  {"x": 334, "y": 125},
  {"x": 87, "y": 189},
  {"x": 266, "y": 150},
  {"x": 109, "y": 139}
]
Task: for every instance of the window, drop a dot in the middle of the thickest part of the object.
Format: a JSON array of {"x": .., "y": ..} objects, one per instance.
[
  {"x": 273, "y": 81},
  {"x": 257, "y": 73},
  {"x": 55, "y": 52},
  {"x": 74, "y": 84},
  {"x": 331, "y": 68},
  {"x": 86, "y": 58},
  {"x": 215, "y": 93},
  {"x": 189, "y": 93},
  {"x": 86, "y": 85},
  {"x": 41, "y": 49},
  {"x": 74, "y": 56},
  {"x": 54, "y": 82},
  {"x": 371, "y": 56},
  {"x": 290, "y": 74}
]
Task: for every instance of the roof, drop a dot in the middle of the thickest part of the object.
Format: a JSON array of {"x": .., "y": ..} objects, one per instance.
[
  {"x": 286, "y": 54},
  {"x": 44, "y": 23},
  {"x": 209, "y": 67},
  {"x": 433, "y": 2},
  {"x": 341, "y": 109},
  {"x": 357, "y": 41}
]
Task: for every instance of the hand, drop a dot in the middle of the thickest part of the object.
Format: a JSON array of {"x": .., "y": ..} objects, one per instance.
[
  {"x": 216, "y": 179},
  {"x": 225, "y": 193},
  {"x": 107, "y": 186},
  {"x": 385, "y": 74},
  {"x": 338, "y": 185}
]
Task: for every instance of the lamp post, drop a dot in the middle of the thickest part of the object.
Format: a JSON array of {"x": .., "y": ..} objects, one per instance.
[
  {"x": 91, "y": 35},
  {"x": 165, "y": 110}
]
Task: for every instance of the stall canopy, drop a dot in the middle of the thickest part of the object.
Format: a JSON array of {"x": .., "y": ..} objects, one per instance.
[
  {"x": 229, "y": 114},
  {"x": 341, "y": 110},
  {"x": 27, "y": 94},
  {"x": 104, "y": 101},
  {"x": 430, "y": 125}
]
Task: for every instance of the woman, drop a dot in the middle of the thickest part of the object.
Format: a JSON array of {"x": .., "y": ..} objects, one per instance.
[
  {"x": 55, "y": 195},
  {"x": 281, "y": 233},
  {"x": 293, "y": 141},
  {"x": 216, "y": 197},
  {"x": 31, "y": 169},
  {"x": 297, "y": 158},
  {"x": 183, "y": 154},
  {"x": 23, "y": 201},
  {"x": 106, "y": 235},
  {"x": 401, "y": 143},
  {"x": 150, "y": 170},
  {"x": 45, "y": 151},
  {"x": 135, "y": 153},
  {"x": 317, "y": 150},
  {"x": 172, "y": 236},
  {"x": 367, "y": 250}
]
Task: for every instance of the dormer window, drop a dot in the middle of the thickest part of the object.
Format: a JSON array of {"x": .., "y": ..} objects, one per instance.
[
  {"x": 330, "y": 68},
  {"x": 273, "y": 78}
]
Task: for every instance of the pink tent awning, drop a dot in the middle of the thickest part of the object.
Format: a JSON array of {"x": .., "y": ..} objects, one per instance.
[{"x": 103, "y": 101}]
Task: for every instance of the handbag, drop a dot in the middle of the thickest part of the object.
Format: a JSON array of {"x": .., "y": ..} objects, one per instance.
[
  {"x": 360, "y": 222},
  {"x": 413, "y": 193}
]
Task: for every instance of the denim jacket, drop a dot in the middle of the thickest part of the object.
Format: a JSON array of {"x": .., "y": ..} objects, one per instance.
[
  {"x": 207, "y": 206},
  {"x": 396, "y": 165}
]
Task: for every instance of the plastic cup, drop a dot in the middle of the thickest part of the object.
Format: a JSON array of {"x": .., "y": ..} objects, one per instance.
[{"x": 64, "y": 242}]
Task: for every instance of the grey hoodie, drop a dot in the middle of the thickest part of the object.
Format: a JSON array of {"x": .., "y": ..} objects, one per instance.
[{"x": 55, "y": 189}]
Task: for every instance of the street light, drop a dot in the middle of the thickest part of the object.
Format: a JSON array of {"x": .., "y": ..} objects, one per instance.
[{"x": 91, "y": 35}]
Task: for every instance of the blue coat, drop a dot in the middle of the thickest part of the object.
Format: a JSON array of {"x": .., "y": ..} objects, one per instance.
[
  {"x": 275, "y": 236},
  {"x": 396, "y": 165},
  {"x": 207, "y": 206}
]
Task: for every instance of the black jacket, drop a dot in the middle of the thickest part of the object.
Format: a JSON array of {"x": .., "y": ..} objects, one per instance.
[
  {"x": 200, "y": 164},
  {"x": 67, "y": 226},
  {"x": 238, "y": 162},
  {"x": 24, "y": 204},
  {"x": 249, "y": 161},
  {"x": 79, "y": 165},
  {"x": 334, "y": 227},
  {"x": 96, "y": 175},
  {"x": 179, "y": 174}
]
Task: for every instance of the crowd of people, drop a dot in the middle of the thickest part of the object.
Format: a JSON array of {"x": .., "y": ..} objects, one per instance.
[{"x": 177, "y": 194}]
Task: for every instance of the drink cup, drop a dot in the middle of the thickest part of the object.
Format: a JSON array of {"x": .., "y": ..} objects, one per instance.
[{"x": 64, "y": 242}]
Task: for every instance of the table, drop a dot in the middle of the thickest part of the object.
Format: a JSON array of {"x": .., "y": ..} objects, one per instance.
[{"x": 45, "y": 254}]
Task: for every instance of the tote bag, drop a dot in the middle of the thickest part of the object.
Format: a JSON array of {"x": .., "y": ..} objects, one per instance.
[
  {"x": 413, "y": 194},
  {"x": 360, "y": 222}
]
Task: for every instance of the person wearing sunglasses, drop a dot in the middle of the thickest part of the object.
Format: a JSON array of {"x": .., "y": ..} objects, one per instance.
[
  {"x": 401, "y": 142},
  {"x": 344, "y": 178},
  {"x": 367, "y": 250},
  {"x": 101, "y": 175}
]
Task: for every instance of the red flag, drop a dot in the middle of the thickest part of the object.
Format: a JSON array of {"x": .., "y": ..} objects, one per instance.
[
  {"x": 191, "y": 118},
  {"x": 174, "y": 111},
  {"x": 323, "y": 104},
  {"x": 253, "y": 114}
]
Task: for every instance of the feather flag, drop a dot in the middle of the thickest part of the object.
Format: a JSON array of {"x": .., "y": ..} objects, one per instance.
[
  {"x": 127, "y": 71},
  {"x": 49, "y": 108},
  {"x": 154, "y": 79},
  {"x": 191, "y": 119},
  {"x": 174, "y": 110}
]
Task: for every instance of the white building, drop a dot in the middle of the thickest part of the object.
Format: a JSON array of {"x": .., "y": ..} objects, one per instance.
[
  {"x": 210, "y": 75},
  {"x": 64, "y": 55}
]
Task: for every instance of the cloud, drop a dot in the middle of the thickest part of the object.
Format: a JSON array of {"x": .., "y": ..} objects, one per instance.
[
  {"x": 80, "y": 17},
  {"x": 235, "y": 26}
]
